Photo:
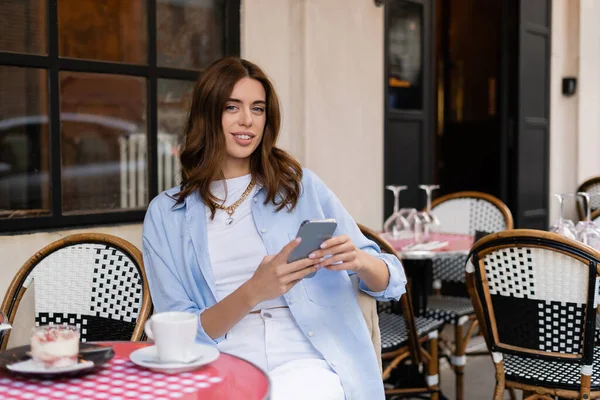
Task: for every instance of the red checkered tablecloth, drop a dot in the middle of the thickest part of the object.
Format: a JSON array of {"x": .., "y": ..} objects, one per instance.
[{"x": 226, "y": 378}]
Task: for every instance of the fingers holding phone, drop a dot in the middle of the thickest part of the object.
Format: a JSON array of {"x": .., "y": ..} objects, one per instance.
[
  {"x": 338, "y": 253},
  {"x": 313, "y": 234},
  {"x": 275, "y": 276}
]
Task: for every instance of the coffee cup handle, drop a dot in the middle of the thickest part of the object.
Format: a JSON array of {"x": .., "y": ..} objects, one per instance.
[{"x": 148, "y": 329}]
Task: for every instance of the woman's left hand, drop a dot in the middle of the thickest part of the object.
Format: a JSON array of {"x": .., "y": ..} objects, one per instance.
[{"x": 341, "y": 254}]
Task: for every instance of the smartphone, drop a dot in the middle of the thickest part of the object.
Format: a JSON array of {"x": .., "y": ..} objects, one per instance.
[{"x": 313, "y": 233}]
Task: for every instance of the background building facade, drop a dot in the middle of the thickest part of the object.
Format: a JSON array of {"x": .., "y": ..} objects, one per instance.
[{"x": 326, "y": 59}]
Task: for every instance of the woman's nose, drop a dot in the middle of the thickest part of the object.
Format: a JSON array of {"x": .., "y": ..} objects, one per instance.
[{"x": 245, "y": 118}]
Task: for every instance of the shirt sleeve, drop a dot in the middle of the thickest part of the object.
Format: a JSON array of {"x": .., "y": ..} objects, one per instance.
[
  {"x": 333, "y": 208},
  {"x": 166, "y": 288}
]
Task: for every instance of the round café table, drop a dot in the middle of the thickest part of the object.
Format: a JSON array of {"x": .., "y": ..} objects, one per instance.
[
  {"x": 418, "y": 264},
  {"x": 228, "y": 377}
]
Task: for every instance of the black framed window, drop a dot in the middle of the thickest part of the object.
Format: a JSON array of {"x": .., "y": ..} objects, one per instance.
[{"x": 93, "y": 99}]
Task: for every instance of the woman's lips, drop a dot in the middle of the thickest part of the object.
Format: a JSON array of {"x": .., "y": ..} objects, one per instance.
[{"x": 243, "y": 139}]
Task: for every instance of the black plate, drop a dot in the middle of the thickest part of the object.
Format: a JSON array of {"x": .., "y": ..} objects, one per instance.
[{"x": 19, "y": 354}]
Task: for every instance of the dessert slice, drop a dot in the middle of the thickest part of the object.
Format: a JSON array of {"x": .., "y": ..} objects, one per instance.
[{"x": 55, "y": 346}]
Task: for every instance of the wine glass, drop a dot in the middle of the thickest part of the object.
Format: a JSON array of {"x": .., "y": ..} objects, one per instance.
[
  {"x": 422, "y": 220},
  {"x": 563, "y": 226},
  {"x": 429, "y": 218},
  {"x": 587, "y": 231},
  {"x": 396, "y": 222}
]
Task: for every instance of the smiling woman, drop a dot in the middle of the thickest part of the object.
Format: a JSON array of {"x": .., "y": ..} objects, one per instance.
[
  {"x": 234, "y": 109},
  {"x": 218, "y": 246}
]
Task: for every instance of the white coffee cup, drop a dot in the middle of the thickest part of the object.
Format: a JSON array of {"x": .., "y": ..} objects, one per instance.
[{"x": 174, "y": 334}]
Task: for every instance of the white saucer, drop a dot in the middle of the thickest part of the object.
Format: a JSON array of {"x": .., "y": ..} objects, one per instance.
[
  {"x": 206, "y": 353},
  {"x": 30, "y": 367}
]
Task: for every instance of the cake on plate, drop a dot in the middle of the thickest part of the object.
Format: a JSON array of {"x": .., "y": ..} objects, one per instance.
[{"x": 55, "y": 346}]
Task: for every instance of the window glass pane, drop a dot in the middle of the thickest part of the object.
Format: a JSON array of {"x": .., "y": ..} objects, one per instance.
[
  {"x": 405, "y": 52},
  {"x": 24, "y": 143},
  {"x": 174, "y": 99},
  {"x": 103, "y": 142},
  {"x": 190, "y": 33},
  {"x": 23, "y": 26},
  {"x": 108, "y": 30}
]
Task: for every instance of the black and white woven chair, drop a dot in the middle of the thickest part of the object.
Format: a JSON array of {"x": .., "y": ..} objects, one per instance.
[
  {"x": 536, "y": 294},
  {"x": 467, "y": 213},
  {"x": 403, "y": 338},
  {"x": 94, "y": 281},
  {"x": 591, "y": 186}
]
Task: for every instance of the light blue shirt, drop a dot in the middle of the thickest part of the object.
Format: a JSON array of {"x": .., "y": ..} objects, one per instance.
[{"x": 175, "y": 250}]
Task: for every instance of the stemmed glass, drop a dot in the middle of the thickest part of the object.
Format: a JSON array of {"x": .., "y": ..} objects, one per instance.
[
  {"x": 421, "y": 221},
  {"x": 563, "y": 226},
  {"x": 396, "y": 222},
  {"x": 428, "y": 218},
  {"x": 587, "y": 231}
]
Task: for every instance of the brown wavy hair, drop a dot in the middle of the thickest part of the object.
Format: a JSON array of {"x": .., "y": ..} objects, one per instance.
[{"x": 204, "y": 148}]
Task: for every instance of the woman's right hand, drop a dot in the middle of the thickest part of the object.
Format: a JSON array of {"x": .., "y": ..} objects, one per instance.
[{"x": 275, "y": 277}]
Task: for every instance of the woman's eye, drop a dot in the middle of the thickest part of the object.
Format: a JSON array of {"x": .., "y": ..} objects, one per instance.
[
  {"x": 231, "y": 108},
  {"x": 258, "y": 110}
]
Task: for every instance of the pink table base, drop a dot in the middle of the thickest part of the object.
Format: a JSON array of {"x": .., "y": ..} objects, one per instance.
[{"x": 226, "y": 378}]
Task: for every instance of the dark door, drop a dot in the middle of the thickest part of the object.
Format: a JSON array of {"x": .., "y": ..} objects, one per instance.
[
  {"x": 469, "y": 84},
  {"x": 530, "y": 154},
  {"x": 409, "y": 113}
]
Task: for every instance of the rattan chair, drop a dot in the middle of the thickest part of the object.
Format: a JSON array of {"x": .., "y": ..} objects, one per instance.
[
  {"x": 403, "y": 338},
  {"x": 467, "y": 213},
  {"x": 535, "y": 295},
  {"x": 94, "y": 281},
  {"x": 591, "y": 186}
]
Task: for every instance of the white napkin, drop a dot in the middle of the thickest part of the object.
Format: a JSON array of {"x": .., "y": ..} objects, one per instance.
[
  {"x": 5, "y": 327},
  {"x": 430, "y": 246}
]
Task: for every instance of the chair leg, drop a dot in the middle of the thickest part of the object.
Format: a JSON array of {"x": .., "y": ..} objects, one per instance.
[
  {"x": 459, "y": 370},
  {"x": 584, "y": 390},
  {"x": 512, "y": 393},
  {"x": 500, "y": 382},
  {"x": 499, "y": 391},
  {"x": 458, "y": 361},
  {"x": 433, "y": 368}
]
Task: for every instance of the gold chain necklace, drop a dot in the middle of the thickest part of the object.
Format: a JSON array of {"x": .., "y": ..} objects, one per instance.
[{"x": 231, "y": 209}]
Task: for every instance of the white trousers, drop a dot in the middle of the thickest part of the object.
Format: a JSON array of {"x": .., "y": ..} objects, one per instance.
[{"x": 273, "y": 341}]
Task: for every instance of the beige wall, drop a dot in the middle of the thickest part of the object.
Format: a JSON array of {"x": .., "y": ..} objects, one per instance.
[
  {"x": 588, "y": 159},
  {"x": 563, "y": 110},
  {"x": 575, "y": 121},
  {"x": 275, "y": 43},
  {"x": 344, "y": 102},
  {"x": 326, "y": 60}
]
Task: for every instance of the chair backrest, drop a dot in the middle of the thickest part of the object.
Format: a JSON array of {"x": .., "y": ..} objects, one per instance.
[
  {"x": 591, "y": 186},
  {"x": 468, "y": 212},
  {"x": 404, "y": 306},
  {"x": 535, "y": 294},
  {"x": 94, "y": 281}
]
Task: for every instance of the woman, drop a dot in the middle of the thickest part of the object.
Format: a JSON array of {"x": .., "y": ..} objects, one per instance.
[{"x": 217, "y": 246}]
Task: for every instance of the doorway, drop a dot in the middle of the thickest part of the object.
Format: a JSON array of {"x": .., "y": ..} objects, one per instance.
[
  {"x": 467, "y": 100},
  {"x": 468, "y": 56}
]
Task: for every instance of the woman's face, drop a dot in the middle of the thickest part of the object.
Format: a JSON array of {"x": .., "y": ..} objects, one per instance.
[{"x": 243, "y": 120}]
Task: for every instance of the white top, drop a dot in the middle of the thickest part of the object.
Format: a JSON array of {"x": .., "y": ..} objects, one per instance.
[{"x": 235, "y": 250}]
